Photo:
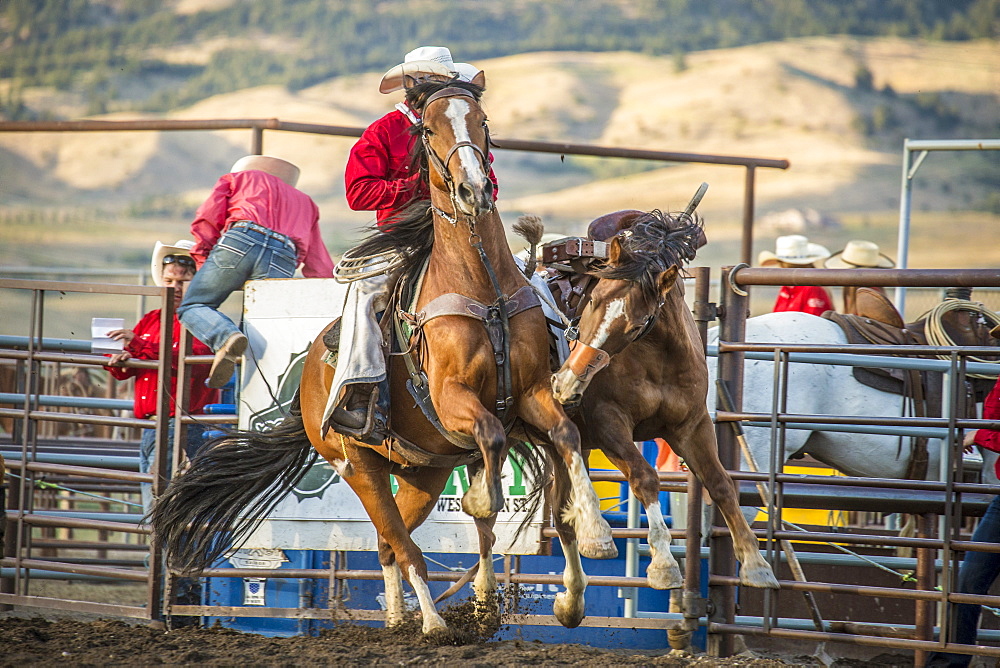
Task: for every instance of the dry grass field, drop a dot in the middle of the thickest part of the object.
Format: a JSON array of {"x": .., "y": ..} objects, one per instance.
[{"x": 101, "y": 200}]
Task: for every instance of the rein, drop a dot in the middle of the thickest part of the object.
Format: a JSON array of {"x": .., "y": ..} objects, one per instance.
[{"x": 495, "y": 316}]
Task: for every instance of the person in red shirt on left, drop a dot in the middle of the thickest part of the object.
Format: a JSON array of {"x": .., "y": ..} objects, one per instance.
[
  {"x": 172, "y": 267},
  {"x": 795, "y": 251}
]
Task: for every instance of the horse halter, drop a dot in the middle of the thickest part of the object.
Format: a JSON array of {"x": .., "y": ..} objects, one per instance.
[
  {"x": 586, "y": 360},
  {"x": 441, "y": 166}
]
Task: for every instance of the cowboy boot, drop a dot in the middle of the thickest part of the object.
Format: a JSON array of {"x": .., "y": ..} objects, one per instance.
[
  {"x": 226, "y": 358},
  {"x": 353, "y": 414}
]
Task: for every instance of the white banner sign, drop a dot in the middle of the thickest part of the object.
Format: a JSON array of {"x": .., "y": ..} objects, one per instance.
[{"x": 281, "y": 319}]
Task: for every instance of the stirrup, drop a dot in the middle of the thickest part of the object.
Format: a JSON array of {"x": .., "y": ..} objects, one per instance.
[{"x": 374, "y": 431}]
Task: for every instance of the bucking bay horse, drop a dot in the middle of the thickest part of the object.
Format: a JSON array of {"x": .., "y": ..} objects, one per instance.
[{"x": 637, "y": 371}]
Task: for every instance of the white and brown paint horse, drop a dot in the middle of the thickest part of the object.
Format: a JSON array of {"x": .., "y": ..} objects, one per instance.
[{"x": 637, "y": 325}]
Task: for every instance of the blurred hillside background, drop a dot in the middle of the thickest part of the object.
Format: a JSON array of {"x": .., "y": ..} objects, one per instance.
[{"x": 834, "y": 87}]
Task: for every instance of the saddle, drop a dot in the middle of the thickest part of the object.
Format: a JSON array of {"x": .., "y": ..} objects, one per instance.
[
  {"x": 567, "y": 260},
  {"x": 879, "y": 323}
]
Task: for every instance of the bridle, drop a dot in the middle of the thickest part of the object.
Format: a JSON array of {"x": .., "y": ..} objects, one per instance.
[
  {"x": 495, "y": 316},
  {"x": 441, "y": 166}
]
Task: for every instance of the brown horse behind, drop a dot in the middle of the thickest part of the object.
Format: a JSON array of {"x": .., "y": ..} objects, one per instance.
[{"x": 634, "y": 320}]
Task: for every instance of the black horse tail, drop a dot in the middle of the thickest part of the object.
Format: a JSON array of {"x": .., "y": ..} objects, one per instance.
[
  {"x": 232, "y": 484},
  {"x": 537, "y": 468}
]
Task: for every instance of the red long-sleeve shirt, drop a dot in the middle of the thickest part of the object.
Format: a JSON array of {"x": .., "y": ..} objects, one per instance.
[
  {"x": 988, "y": 438},
  {"x": 146, "y": 346},
  {"x": 806, "y": 298},
  {"x": 266, "y": 200},
  {"x": 377, "y": 177}
]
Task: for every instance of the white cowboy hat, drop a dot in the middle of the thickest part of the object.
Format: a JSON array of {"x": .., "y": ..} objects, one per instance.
[
  {"x": 162, "y": 250},
  {"x": 793, "y": 249},
  {"x": 426, "y": 62},
  {"x": 283, "y": 169},
  {"x": 466, "y": 72},
  {"x": 859, "y": 254}
]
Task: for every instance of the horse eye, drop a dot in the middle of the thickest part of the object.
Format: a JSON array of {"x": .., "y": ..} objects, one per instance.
[{"x": 428, "y": 132}]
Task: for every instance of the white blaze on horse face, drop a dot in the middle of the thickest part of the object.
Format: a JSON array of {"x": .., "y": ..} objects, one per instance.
[
  {"x": 615, "y": 310},
  {"x": 457, "y": 110}
]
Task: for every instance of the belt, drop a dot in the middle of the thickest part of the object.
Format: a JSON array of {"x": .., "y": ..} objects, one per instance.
[{"x": 266, "y": 231}]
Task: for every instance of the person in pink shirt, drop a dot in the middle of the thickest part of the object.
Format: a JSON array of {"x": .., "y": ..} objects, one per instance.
[{"x": 254, "y": 225}]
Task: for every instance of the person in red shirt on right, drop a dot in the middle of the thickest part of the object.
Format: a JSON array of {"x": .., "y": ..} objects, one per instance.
[
  {"x": 978, "y": 569},
  {"x": 795, "y": 251}
]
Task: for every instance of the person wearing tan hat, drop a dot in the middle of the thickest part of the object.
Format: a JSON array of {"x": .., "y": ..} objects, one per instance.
[
  {"x": 255, "y": 224},
  {"x": 172, "y": 267},
  {"x": 795, "y": 251},
  {"x": 378, "y": 176},
  {"x": 858, "y": 254}
]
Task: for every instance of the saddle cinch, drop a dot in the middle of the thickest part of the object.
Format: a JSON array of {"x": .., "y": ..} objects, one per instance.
[{"x": 879, "y": 323}]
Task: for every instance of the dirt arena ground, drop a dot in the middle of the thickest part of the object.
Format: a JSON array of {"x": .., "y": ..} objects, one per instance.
[
  {"x": 35, "y": 641},
  {"x": 40, "y": 637}
]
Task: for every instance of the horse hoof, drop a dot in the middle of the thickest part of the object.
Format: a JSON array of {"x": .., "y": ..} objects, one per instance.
[
  {"x": 597, "y": 548},
  {"x": 758, "y": 576},
  {"x": 434, "y": 626},
  {"x": 664, "y": 577},
  {"x": 568, "y": 612}
]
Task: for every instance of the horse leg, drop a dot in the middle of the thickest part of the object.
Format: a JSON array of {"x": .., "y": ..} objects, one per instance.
[
  {"x": 370, "y": 481},
  {"x": 467, "y": 415},
  {"x": 569, "y": 607},
  {"x": 418, "y": 492},
  {"x": 485, "y": 583},
  {"x": 395, "y": 603},
  {"x": 663, "y": 571},
  {"x": 582, "y": 508},
  {"x": 700, "y": 452}
]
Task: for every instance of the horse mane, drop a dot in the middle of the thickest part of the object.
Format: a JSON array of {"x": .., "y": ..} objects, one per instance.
[
  {"x": 409, "y": 232},
  {"x": 651, "y": 245}
]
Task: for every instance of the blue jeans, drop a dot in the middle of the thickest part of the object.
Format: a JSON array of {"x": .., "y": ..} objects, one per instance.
[
  {"x": 241, "y": 255},
  {"x": 147, "y": 448},
  {"x": 977, "y": 573}
]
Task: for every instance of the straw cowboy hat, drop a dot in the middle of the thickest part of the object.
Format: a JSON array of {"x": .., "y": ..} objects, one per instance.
[
  {"x": 793, "y": 249},
  {"x": 426, "y": 63},
  {"x": 859, "y": 254},
  {"x": 283, "y": 169},
  {"x": 161, "y": 250}
]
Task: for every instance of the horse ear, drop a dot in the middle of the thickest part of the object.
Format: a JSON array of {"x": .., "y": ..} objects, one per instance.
[
  {"x": 408, "y": 81},
  {"x": 614, "y": 251},
  {"x": 480, "y": 79},
  {"x": 667, "y": 280}
]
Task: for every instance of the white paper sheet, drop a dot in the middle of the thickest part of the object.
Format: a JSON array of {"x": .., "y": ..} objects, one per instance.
[{"x": 100, "y": 342}]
